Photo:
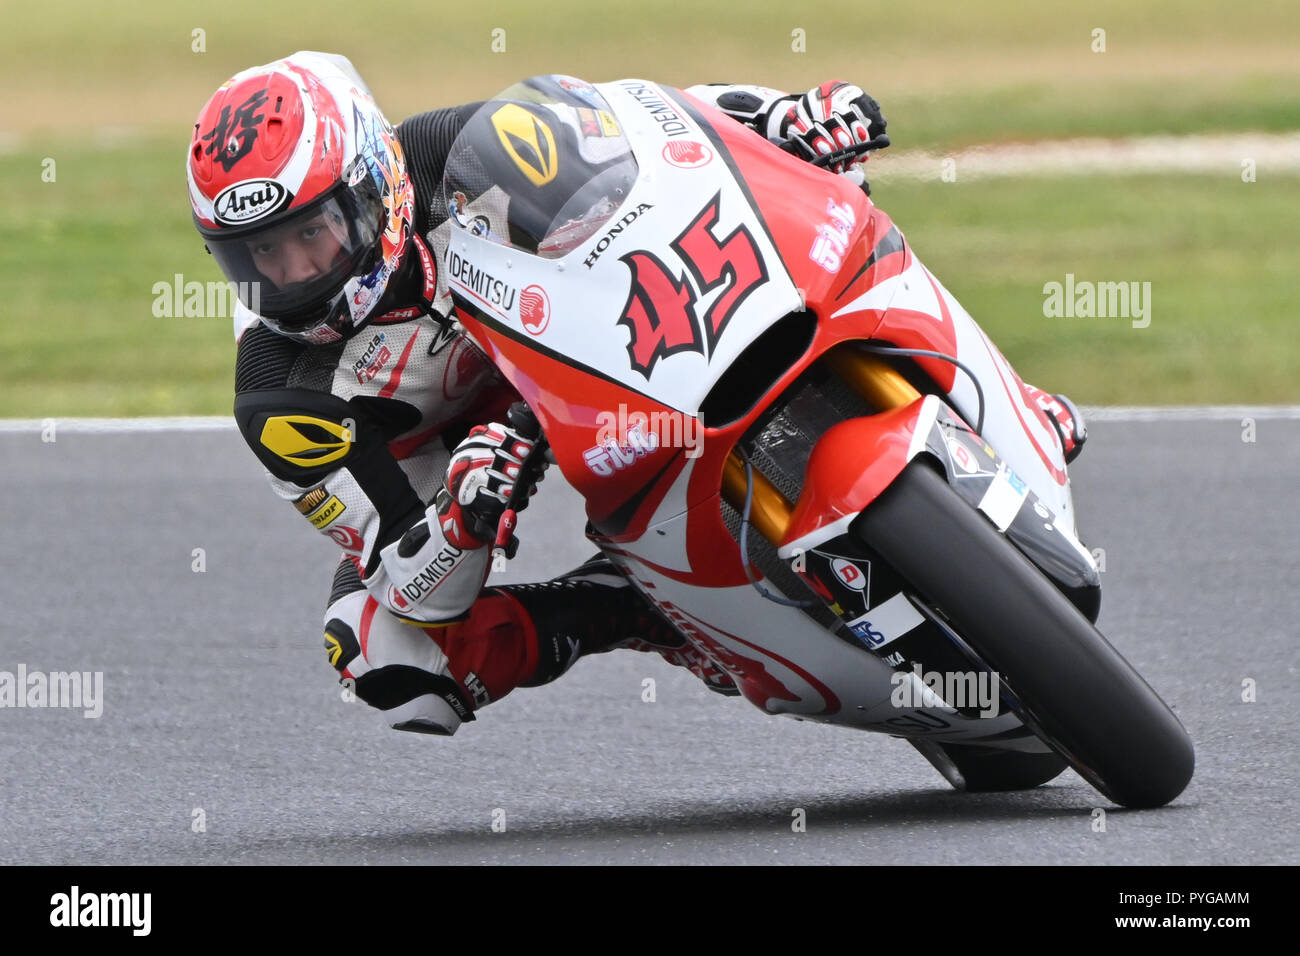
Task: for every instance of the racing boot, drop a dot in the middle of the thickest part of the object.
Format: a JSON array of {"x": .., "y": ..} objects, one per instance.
[{"x": 594, "y": 609}]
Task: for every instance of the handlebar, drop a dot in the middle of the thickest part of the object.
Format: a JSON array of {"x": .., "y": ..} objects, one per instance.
[{"x": 856, "y": 149}]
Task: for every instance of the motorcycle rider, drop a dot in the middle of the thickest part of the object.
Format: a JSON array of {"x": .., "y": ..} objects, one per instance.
[{"x": 366, "y": 405}]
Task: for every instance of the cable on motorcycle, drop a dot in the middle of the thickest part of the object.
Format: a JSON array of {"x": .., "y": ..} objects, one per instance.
[
  {"x": 926, "y": 353},
  {"x": 744, "y": 541}
]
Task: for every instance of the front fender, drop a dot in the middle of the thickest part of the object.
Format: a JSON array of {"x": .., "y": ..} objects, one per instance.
[
  {"x": 851, "y": 465},
  {"x": 856, "y": 460}
]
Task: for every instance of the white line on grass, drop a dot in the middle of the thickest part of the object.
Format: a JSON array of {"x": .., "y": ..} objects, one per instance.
[{"x": 1209, "y": 153}]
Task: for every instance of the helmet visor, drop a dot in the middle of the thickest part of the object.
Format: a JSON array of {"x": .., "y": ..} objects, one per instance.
[{"x": 290, "y": 270}]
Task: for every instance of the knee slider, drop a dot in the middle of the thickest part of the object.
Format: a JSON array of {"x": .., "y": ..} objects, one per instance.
[
  {"x": 414, "y": 699},
  {"x": 411, "y": 698}
]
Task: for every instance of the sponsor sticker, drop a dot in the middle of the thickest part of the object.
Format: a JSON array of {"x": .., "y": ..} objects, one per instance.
[
  {"x": 401, "y": 315},
  {"x": 347, "y": 538},
  {"x": 831, "y": 244},
  {"x": 327, "y": 512},
  {"x": 474, "y": 684},
  {"x": 687, "y": 154},
  {"x": 849, "y": 574},
  {"x": 534, "y": 309},
  {"x": 962, "y": 457},
  {"x": 414, "y": 590},
  {"x": 597, "y": 122},
  {"x": 575, "y": 85},
  {"x": 1003, "y": 498},
  {"x": 613, "y": 232},
  {"x": 650, "y": 98},
  {"x": 608, "y": 125},
  {"x": 582, "y": 89},
  {"x": 311, "y": 501},
  {"x": 248, "y": 201},
  {"x": 485, "y": 287},
  {"x": 372, "y": 359},
  {"x": 886, "y": 622},
  {"x": 610, "y": 456}
]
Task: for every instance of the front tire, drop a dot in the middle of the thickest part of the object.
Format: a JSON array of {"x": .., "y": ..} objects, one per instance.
[{"x": 1078, "y": 693}]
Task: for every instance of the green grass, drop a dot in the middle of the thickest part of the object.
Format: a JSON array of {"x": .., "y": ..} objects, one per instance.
[
  {"x": 1046, "y": 110},
  {"x": 1219, "y": 254},
  {"x": 109, "y": 92},
  {"x": 947, "y": 72},
  {"x": 79, "y": 258}
]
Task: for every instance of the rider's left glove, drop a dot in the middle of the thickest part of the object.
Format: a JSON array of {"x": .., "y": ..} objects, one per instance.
[
  {"x": 832, "y": 117},
  {"x": 480, "y": 479}
]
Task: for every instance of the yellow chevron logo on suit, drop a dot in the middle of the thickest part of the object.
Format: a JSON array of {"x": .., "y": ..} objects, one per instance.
[
  {"x": 528, "y": 141},
  {"x": 304, "y": 440}
]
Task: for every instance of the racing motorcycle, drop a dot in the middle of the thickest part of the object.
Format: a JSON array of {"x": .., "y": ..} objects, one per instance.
[{"x": 791, "y": 437}]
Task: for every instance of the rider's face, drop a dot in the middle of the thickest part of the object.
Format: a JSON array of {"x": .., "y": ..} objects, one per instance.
[{"x": 296, "y": 253}]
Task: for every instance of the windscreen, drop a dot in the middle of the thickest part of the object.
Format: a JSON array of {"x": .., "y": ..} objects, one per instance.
[{"x": 541, "y": 167}]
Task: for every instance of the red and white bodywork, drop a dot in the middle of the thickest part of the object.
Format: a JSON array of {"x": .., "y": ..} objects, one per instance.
[{"x": 620, "y": 322}]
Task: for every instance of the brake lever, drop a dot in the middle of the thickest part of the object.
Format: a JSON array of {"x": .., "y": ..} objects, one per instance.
[{"x": 856, "y": 149}]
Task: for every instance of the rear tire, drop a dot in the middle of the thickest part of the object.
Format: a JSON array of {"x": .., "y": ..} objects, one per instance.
[{"x": 1078, "y": 693}]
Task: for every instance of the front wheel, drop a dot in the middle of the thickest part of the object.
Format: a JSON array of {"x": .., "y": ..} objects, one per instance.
[{"x": 1077, "y": 692}]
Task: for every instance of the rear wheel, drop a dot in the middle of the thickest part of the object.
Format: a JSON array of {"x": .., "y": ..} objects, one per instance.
[{"x": 1077, "y": 692}]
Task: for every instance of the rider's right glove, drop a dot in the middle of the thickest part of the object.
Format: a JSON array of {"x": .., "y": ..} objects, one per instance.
[{"x": 480, "y": 479}]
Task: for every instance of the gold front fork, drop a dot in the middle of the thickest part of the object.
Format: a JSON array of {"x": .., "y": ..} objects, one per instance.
[{"x": 879, "y": 384}]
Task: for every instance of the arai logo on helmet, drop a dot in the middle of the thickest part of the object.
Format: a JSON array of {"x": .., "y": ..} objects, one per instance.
[{"x": 249, "y": 200}]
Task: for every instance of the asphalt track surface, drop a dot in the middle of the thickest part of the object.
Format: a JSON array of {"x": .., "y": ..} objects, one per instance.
[{"x": 219, "y": 707}]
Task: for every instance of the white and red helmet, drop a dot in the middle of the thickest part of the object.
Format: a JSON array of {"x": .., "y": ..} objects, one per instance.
[{"x": 300, "y": 190}]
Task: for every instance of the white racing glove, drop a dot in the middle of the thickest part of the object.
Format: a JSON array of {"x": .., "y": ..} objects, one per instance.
[
  {"x": 437, "y": 569},
  {"x": 825, "y": 119},
  {"x": 480, "y": 480},
  {"x": 832, "y": 117}
]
